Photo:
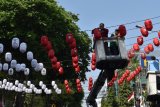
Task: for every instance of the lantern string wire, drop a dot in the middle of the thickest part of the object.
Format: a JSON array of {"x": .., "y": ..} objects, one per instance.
[{"x": 128, "y": 23}]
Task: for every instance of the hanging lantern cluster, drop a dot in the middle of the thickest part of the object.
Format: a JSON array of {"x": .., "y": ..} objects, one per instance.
[
  {"x": 79, "y": 87},
  {"x": 56, "y": 65},
  {"x": 124, "y": 76},
  {"x": 90, "y": 83},
  {"x": 27, "y": 88},
  {"x": 134, "y": 73},
  {"x": 93, "y": 61},
  {"x": 110, "y": 83},
  {"x": 20, "y": 67},
  {"x": 74, "y": 52},
  {"x": 68, "y": 89},
  {"x": 122, "y": 31},
  {"x": 148, "y": 27}
]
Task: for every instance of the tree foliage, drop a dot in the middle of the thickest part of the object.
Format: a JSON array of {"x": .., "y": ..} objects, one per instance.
[{"x": 29, "y": 20}]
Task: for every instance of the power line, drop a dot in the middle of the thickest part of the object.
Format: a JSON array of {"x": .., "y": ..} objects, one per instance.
[{"x": 128, "y": 23}]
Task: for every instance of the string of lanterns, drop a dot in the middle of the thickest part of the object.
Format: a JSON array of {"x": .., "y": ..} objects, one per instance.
[
  {"x": 56, "y": 65},
  {"x": 28, "y": 87},
  {"x": 74, "y": 52},
  {"x": 20, "y": 67}
]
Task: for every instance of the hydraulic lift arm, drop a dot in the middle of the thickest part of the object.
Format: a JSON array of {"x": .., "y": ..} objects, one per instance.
[{"x": 98, "y": 84}]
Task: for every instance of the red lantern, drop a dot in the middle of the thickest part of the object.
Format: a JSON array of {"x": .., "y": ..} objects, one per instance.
[
  {"x": 69, "y": 38},
  {"x": 65, "y": 82},
  {"x": 54, "y": 60},
  {"x": 79, "y": 90},
  {"x": 156, "y": 41},
  {"x": 75, "y": 59},
  {"x": 127, "y": 72},
  {"x": 78, "y": 81},
  {"x": 74, "y": 64},
  {"x": 58, "y": 65},
  {"x": 77, "y": 69},
  {"x": 150, "y": 47},
  {"x": 97, "y": 33},
  {"x": 144, "y": 32},
  {"x": 93, "y": 63},
  {"x": 93, "y": 56},
  {"x": 51, "y": 53},
  {"x": 140, "y": 40},
  {"x": 61, "y": 70},
  {"x": 148, "y": 24},
  {"x": 136, "y": 47},
  {"x": 146, "y": 50},
  {"x": 116, "y": 74},
  {"x": 128, "y": 79},
  {"x": 139, "y": 68},
  {"x": 93, "y": 67},
  {"x": 68, "y": 90},
  {"x": 44, "y": 40},
  {"x": 74, "y": 52},
  {"x": 143, "y": 55},
  {"x": 122, "y": 30},
  {"x": 73, "y": 44},
  {"x": 49, "y": 46}
]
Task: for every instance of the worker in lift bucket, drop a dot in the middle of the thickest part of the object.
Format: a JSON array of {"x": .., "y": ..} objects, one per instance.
[
  {"x": 114, "y": 44},
  {"x": 104, "y": 34}
]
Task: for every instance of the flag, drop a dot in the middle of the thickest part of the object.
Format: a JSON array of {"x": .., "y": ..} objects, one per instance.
[{"x": 131, "y": 96}]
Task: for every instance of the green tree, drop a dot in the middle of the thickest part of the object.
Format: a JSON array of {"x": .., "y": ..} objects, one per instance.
[{"x": 29, "y": 20}]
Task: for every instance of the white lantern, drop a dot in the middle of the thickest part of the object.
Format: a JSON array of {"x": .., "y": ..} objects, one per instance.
[
  {"x": 5, "y": 66},
  {"x": 16, "y": 89},
  {"x": 53, "y": 83},
  {"x": 43, "y": 86},
  {"x": 19, "y": 90},
  {"x": 18, "y": 67},
  {"x": 23, "y": 66},
  {"x": 1, "y": 48},
  {"x": 35, "y": 89},
  {"x": 28, "y": 83},
  {"x": 43, "y": 71},
  {"x": 59, "y": 91},
  {"x": 39, "y": 67},
  {"x": 7, "y": 84},
  {"x": 29, "y": 90},
  {"x": 13, "y": 87},
  {"x": 49, "y": 91},
  {"x": 13, "y": 64},
  {"x": 55, "y": 86},
  {"x": 26, "y": 71},
  {"x": 10, "y": 71},
  {"x": 10, "y": 84},
  {"x": 4, "y": 81},
  {"x": 40, "y": 91},
  {"x": 6, "y": 88},
  {"x": 8, "y": 57},
  {"x": 23, "y": 47},
  {"x": 40, "y": 83},
  {"x": 29, "y": 55},
  {"x": 16, "y": 82},
  {"x": 3, "y": 86},
  {"x": 15, "y": 43},
  {"x": 45, "y": 90},
  {"x": 32, "y": 86},
  {"x": 24, "y": 88},
  {"x": 1, "y": 66},
  {"x": 34, "y": 63}
]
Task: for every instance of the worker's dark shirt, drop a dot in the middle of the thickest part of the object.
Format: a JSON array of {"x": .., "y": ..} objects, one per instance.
[{"x": 104, "y": 32}]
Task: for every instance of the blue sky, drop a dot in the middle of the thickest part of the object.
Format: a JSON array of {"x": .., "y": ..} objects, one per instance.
[{"x": 114, "y": 12}]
